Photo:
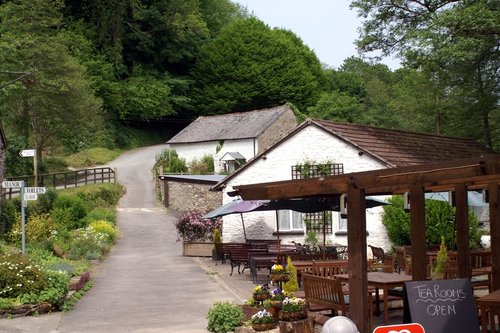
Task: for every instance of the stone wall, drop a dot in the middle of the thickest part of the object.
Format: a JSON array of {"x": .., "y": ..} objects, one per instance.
[
  {"x": 189, "y": 196},
  {"x": 277, "y": 131}
]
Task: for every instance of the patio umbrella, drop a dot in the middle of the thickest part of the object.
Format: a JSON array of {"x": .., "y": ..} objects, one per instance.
[
  {"x": 234, "y": 207},
  {"x": 302, "y": 205}
]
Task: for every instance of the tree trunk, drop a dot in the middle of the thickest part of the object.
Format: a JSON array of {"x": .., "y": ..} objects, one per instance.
[{"x": 300, "y": 326}]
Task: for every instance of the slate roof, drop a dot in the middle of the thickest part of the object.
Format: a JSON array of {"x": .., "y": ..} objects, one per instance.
[
  {"x": 403, "y": 148},
  {"x": 231, "y": 126},
  {"x": 392, "y": 147}
]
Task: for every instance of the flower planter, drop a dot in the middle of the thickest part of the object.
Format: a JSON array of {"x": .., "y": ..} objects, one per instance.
[
  {"x": 197, "y": 249},
  {"x": 263, "y": 326},
  {"x": 293, "y": 315},
  {"x": 249, "y": 311}
]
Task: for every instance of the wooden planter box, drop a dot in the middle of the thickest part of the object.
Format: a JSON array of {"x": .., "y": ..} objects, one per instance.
[{"x": 197, "y": 249}]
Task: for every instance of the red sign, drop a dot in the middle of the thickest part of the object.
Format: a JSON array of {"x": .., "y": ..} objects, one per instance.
[{"x": 403, "y": 328}]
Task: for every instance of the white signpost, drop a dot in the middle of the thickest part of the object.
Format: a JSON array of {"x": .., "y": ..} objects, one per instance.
[
  {"x": 12, "y": 183},
  {"x": 35, "y": 190},
  {"x": 30, "y": 196},
  {"x": 31, "y": 153},
  {"x": 27, "y": 153}
]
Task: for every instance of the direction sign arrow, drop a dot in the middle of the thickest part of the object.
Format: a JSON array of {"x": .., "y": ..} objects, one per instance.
[
  {"x": 27, "y": 153},
  {"x": 37, "y": 190},
  {"x": 30, "y": 196},
  {"x": 12, "y": 183}
]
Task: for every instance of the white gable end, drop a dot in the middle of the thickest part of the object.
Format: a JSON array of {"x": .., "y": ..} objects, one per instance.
[{"x": 310, "y": 144}]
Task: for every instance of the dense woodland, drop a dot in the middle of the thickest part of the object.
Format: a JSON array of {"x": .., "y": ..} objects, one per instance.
[{"x": 111, "y": 73}]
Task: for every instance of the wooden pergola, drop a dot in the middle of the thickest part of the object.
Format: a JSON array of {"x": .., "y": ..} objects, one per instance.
[{"x": 459, "y": 176}]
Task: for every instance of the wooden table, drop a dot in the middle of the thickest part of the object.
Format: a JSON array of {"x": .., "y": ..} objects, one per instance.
[
  {"x": 489, "y": 307},
  {"x": 384, "y": 281},
  {"x": 260, "y": 261}
]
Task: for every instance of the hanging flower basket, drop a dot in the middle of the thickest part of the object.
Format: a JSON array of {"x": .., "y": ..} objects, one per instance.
[
  {"x": 259, "y": 297},
  {"x": 279, "y": 277}
]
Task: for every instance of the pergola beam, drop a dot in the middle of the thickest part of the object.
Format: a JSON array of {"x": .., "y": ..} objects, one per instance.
[
  {"x": 458, "y": 176},
  {"x": 441, "y": 176}
]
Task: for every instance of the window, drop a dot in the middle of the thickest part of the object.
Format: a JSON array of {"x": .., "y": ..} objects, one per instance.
[
  {"x": 290, "y": 220},
  {"x": 342, "y": 222}
]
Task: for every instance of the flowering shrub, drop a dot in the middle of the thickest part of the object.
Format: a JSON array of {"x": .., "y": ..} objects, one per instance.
[
  {"x": 191, "y": 227},
  {"x": 104, "y": 227},
  {"x": 293, "y": 304},
  {"x": 262, "y": 317},
  {"x": 38, "y": 228},
  {"x": 88, "y": 244},
  {"x": 19, "y": 275}
]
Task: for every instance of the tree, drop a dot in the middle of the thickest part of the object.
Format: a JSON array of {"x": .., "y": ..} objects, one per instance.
[
  {"x": 439, "y": 222},
  {"x": 58, "y": 108},
  {"x": 337, "y": 106},
  {"x": 455, "y": 41},
  {"x": 249, "y": 66}
]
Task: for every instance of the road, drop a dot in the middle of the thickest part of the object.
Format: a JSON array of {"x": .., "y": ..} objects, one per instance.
[{"x": 144, "y": 284}]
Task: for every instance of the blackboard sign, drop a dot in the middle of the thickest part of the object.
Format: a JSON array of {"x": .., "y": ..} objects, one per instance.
[{"x": 441, "y": 306}]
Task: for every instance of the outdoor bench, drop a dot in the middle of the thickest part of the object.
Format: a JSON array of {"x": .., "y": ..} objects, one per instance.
[
  {"x": 241, "y": 256},
  {"x": 224, "y": 249}
]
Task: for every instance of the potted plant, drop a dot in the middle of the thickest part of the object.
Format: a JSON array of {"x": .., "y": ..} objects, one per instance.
[
  {"x": 261, "y": 292},
  {"x": 263, "y": 321},
  {"x": 292, "y": 309},
  {"x": 216, "y": 255},
  {"x": 438, "y": 271},
  {"x": 277, "y": 296},
  {"x": 292, "y": 284},
  {"x": 196, "y": 233},
  {"x": 279, "y": 273},
  {"x": 224, "y": 317}
]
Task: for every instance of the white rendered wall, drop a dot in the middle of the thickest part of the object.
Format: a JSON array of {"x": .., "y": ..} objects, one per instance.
[
  {"x": 191, "y": 151},
  {"x": 311, "y": 144}
]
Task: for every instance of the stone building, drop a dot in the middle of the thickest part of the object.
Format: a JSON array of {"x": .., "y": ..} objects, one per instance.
[{"x": 233, "y": 139}]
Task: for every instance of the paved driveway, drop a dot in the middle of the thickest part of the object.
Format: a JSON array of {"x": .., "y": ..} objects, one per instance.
[{"x": 144, "y": 285}]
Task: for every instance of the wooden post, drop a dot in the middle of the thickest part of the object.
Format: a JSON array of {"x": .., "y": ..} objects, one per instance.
[
  {"x": 495, "y": 235},
  {"x": 299, "y": 326},
  {"x": 462, "y": 223},
  {"x": 356, "y": 249},
  {"x": 417, "y": 217}
]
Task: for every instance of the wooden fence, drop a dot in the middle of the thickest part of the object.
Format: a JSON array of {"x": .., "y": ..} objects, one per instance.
[{"x": 62, "y": 180}]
